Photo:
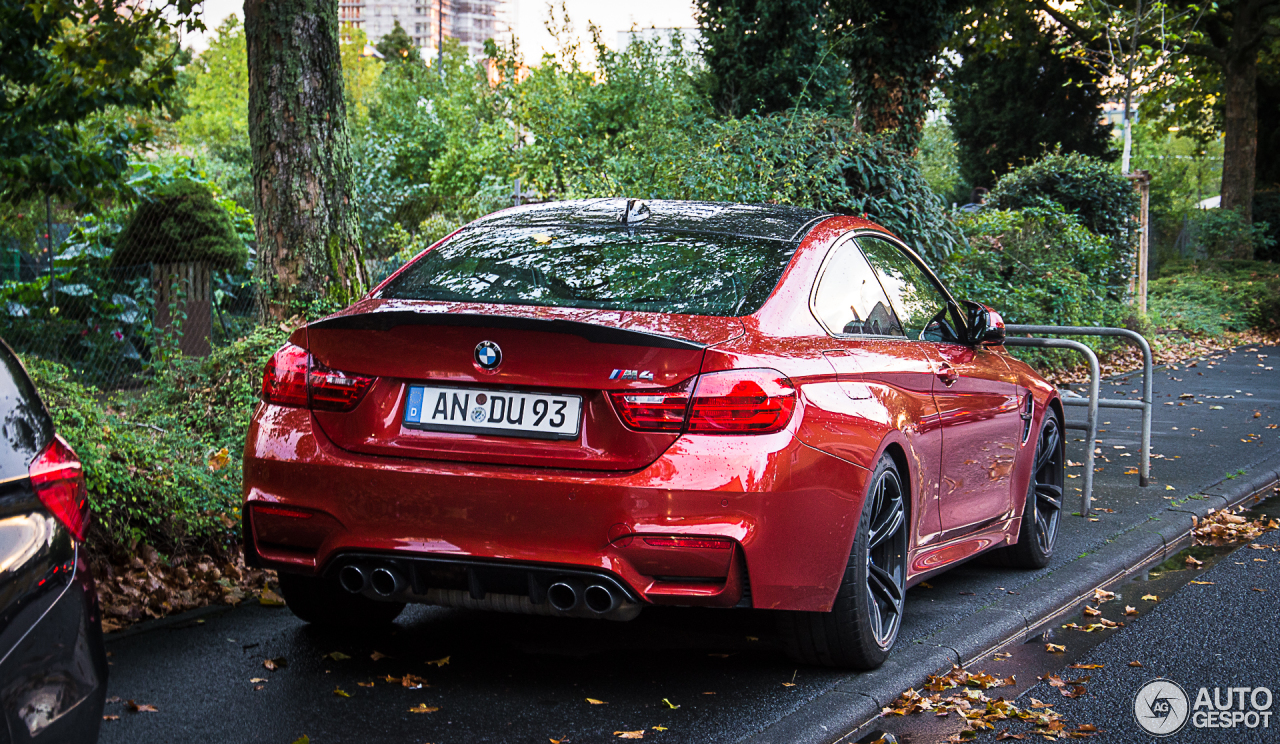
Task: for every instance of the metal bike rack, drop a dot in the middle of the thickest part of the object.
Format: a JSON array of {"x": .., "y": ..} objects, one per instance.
[{"x": 1094, "y": 402}]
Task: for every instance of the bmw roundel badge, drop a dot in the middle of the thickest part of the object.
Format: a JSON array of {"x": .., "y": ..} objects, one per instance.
[{"x": 488, "y": 355}]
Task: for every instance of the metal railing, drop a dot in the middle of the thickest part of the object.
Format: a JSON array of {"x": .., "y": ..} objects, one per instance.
[{"x": 1094, "y": 401}]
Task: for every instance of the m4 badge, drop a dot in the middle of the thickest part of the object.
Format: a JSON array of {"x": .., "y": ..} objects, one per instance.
[{"x": 631, "y": 374}]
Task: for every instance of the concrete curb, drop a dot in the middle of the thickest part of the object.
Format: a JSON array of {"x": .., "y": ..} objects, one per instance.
[
  {"x": 838, "y": 714},
  {"x": 190, "y": 616}
]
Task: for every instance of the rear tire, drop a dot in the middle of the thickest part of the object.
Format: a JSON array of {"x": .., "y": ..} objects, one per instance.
[
  {"x": 323, "y": 602},
  {"x": 1043, "y": 511},
  {"x": 863, "y": 623}
]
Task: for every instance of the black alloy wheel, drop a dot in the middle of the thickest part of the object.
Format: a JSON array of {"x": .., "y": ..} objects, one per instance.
[
  {"x": 864, "y": 621},
  {"x": 887, "y": 558},
  {"x": 1046, "y": 483},
  {"x": 1043, "y": 511}
]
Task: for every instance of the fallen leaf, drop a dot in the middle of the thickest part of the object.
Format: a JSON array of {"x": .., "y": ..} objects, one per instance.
[
  {"x": 111, "y": 718},
  {"x": 133, "y": 707},
  {"x": 1002, "y": 655},
  {"x": 422, "y": 708},
  {"x": 659, "y": 728},
  {"x": 1091, "y": 611},
  {"x": 925, "y": 585},
  {"x": 268, "y": 598},
  {"x": 364, "y": 684},
  {"x": 1203, "y": 583},
  {"x": 1150, "y": 598},
  {"x": 1102, "y": 595},
  {"x": 1128, "y": 610},
  {"x": 1136, "y": 664},
  {"x": 593, "y": 701},
  {"x": 708, "y": 693},
  {"x": 440, "y": 662},
  {"x": 1191, "y": 561},
  {"x": 541, "y": 239},
  {"x": 1256, "y": 589},
  {"x": 1006, "y": 735},
  {"x": 217, "y": 460},
  {"x": 302, "y": 740},
  {"x": 673, "y": 706},
  {"x": 1054, "y": 648},
  {"x": 341, "y": 692},
  {"x": 788, "y": 684},
  {"x": 411, "y": 681},
  {"x": 1086, "y": 666},
  {"x": 277, "y": 663},
  {"x": 629, "y": 734},
  {"x": 337, "y": 656},
  {"x": 378, "y": 655}
]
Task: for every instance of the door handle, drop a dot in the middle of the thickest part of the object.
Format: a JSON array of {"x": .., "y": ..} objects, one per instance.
[{"x": 948, "y": 374}]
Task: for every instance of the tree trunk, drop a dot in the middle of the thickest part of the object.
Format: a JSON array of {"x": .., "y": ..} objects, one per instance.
[
  {"x": 1240, "y": 125},
  {"x": 308, "y": 237}
]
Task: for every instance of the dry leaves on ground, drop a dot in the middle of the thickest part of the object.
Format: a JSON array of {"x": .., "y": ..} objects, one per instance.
[
  {"x": 980, "y": 712},
  {"x": 148, "y": 586},
  {"x": 1224, "y": 528}
]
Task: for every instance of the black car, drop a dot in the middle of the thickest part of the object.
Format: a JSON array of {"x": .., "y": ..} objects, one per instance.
[{"x": 53, "y": 667}]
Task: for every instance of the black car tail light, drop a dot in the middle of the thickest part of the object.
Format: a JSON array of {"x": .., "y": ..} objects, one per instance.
[
  {"x": 293, "y": 378},
  {"x": 58, "y": 479}
]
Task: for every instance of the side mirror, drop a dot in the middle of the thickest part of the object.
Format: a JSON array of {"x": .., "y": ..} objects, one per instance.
[{"x": 985, "y": 326}]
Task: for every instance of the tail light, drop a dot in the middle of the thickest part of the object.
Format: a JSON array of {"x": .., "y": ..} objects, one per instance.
[
  {"x": 58, "y": 479},
  {"x": 293, "y": 378},
  {"x": 740, "y": 401},
  {"x": 654, "y": 410}
]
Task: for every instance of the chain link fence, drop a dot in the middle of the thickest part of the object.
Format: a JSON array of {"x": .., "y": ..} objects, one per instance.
[
  {"x": 110, "y": 294},
  {"x": 113, "y": 292}
]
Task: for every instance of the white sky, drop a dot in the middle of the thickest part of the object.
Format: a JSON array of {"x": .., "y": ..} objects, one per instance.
[{"x": 528, "y": 17}]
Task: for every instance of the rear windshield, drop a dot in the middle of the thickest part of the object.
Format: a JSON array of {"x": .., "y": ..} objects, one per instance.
[{"x": 616, "y": 269}]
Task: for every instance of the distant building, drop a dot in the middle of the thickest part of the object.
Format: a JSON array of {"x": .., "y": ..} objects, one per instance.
[
  {"x": 469, "y": 21},
  {"x": 689, "y": 37}
]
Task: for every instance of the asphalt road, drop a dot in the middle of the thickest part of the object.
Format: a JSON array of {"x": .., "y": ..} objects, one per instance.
[
  {"x": 679, "y": 675},
  {"x": 1215, "y": 635}
]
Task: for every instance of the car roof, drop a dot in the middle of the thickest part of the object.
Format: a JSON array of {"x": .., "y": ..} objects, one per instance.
[{"x": 768, "y": 221}]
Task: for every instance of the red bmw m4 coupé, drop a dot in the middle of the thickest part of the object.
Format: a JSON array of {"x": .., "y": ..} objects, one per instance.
[{"x": 587, "y": 407}]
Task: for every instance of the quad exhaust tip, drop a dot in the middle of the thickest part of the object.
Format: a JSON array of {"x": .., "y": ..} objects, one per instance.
[
  {"x": 387, "y": 582},
  {"x": 353, "y": 578},
  {"x": 565, "y": 595}
]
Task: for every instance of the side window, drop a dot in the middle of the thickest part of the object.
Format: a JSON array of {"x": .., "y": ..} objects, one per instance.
[
  {"x": 921, "y": 307},
  {"x": 849, "y": 298}
]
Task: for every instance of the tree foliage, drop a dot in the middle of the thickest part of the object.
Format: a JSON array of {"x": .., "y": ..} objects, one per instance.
[
  {"x": 217, "y": 111},
  {"x": 769, "y": 55},
  {"x": 65, "y": 63},
  {"x": 397, "y": 46},
  {"x": 1088, "y": 188},
  {"x": 892, "y": 50},
  {"x": 179, "y": 222},
  {"x": 1014, "y": 97}
]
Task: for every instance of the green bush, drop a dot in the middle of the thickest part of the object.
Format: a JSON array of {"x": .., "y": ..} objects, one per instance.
[
  {"x": 1225, "y": 234},
  {"x": 1211, "y": 297},
  {"x": 181, "y": 221},
  {"x": 1091, "y": 189},
  {"x": 1034, "y": 266},
  {"x": 163, "y": 464}
]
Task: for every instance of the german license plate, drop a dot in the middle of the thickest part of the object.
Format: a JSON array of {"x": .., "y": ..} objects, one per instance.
[{"x": 499, "y": 412}]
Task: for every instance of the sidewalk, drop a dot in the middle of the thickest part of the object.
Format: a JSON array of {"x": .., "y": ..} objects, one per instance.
[{"x": 1209, "y": 450}]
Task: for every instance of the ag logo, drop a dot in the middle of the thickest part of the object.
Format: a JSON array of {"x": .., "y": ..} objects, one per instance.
[{"x": 1161, "y": 707}]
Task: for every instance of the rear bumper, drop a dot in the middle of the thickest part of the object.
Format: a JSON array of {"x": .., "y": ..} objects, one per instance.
[
  {"x": 789, "y": 512},
  {"x": 53, "y": 684}
]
